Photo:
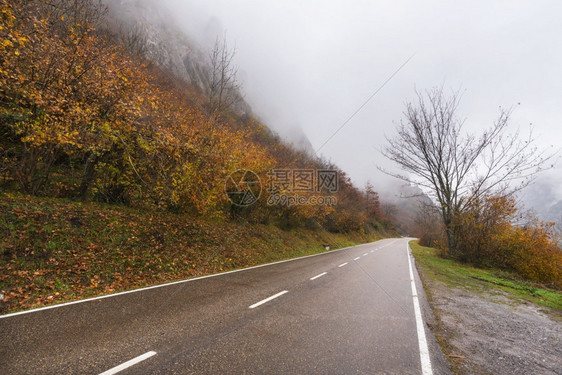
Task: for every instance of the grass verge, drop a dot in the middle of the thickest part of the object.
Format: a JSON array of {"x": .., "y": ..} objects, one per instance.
[
  {"x": 56, "y": 250},
  {"x": 490, "y": 281}
]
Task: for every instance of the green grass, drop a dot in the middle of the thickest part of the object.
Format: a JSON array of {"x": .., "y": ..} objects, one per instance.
[{"x": 490, "y": 281}]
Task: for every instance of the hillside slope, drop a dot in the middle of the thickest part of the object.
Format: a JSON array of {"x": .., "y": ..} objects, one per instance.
[
  {"x": 114, "y": 170},
  {"x": 54, "y": 250}
]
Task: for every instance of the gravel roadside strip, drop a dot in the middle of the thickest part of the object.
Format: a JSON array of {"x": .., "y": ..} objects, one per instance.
[{"x": 491, "y": 334}]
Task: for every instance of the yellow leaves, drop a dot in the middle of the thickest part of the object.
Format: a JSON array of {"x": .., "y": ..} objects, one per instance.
[
  {"x": 148, "y": 140},
  {"x": 94, "y": 282}
]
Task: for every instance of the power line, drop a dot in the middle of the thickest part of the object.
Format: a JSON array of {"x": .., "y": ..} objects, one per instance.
[{"x": 364, "y": 104}]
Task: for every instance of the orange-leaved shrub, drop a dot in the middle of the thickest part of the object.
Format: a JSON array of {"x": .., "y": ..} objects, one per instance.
[
  {"x": 531, "y": 252},
  {"x": 486, "y": 236}
]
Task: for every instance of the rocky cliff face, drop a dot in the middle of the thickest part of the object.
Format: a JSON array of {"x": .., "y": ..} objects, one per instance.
[
  {"x": 156, "y": 36},
  {"x": 150, "y": 28}
]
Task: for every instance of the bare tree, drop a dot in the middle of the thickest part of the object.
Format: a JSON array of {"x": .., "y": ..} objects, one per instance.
[
  {"x": 427, "y": 224},
  {"x": 373, "y": 203},
  {"x": 557, "y": 230},
  {"x": 134, "y": 38},
  {"x": 460, "y": 168},
  {"x": 389, "y": 210},
  {"x": 223, "y": 83},
  {"x": 77, "y": 12}
]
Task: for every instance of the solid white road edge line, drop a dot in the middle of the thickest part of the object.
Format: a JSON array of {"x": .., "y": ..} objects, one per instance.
[
  {"x": 268, "y": 299},
  {"x": 179, "y": 282},
  {"x": 317, "y": 276},
  {"x": 128, "y": 364},
  {"x": 424, "y": 351},
  {"x": 343, "y": 264}
]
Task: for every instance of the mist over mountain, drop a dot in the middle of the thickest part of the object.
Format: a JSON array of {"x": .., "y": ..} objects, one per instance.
[
  {"x": 153, "y": 30},
  {"x": 159, "y": 39},
  {"x": 545, "y": 198},
  {"x": 184, "y": 50},
  {"x": 403, "y": 204},
  {"x": 555, "y": 212}
]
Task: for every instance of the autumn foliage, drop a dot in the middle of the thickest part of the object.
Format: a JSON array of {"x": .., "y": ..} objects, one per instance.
[
  {"x": 83, "y": 118},
  {"x": 112, "y": 169},
  {"x": 487, "y": 235}
]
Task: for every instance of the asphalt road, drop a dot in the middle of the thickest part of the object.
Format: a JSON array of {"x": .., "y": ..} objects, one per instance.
[{"x": 351, "y": 311}]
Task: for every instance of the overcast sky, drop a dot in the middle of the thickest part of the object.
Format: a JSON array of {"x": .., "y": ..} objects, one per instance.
[{"x": 311, "y": 64}]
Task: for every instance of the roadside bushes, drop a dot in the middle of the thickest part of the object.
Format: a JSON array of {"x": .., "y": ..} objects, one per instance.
[
  {"x": 428, "y": 226},
  {"x": 477, "y": 227},
  {"x": 532, "y": 253},
  {"x": 486, "y": 236},
  {"x": 81, "y": 118}
]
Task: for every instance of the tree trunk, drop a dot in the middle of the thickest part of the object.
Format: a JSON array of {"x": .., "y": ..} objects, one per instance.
[{"x": 88, "y": 175}]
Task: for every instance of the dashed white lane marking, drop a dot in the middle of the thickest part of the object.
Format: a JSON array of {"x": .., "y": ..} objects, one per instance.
[
  {"x": 317, "y": 276},
  {"x": 128, "y": 364},
  {"x": 365, "y": 254},
  {"x": 343, "y": 264},
  {"x": 424, "y": 351},
  {"x": 268, "y": 299},
  {"x": 356, "y": 258}
]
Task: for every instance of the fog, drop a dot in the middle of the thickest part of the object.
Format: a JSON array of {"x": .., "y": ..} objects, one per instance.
[{"x": 311, "y": 64}]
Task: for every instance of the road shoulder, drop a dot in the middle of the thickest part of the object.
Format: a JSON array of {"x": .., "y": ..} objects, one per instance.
[
  {"x": 439, "y": 361},
  {"x": 486, "y": 332}
]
